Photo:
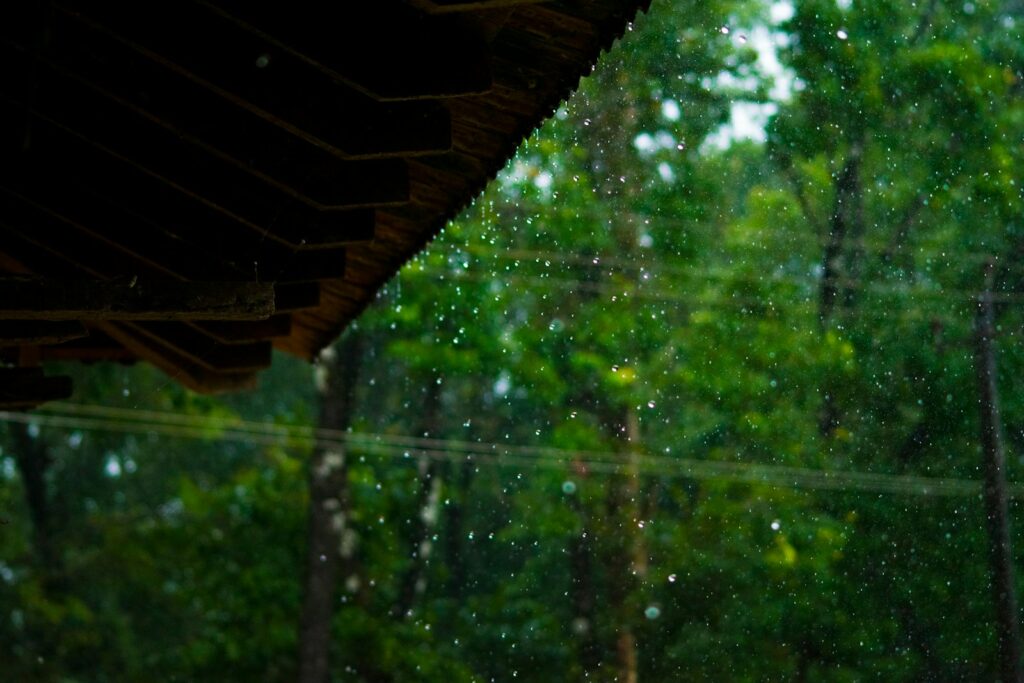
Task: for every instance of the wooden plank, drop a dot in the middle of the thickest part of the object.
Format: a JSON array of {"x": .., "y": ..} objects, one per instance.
[
  {"x": 28, "y": 298},
  {"x": 179, "y": 368},
  {"x": 37, "y": 332},
  {"x": 201, "y": 117},
  {"x": 65, "y": 110},
  {"x": 238, "y": 332},
  {"x": 268, "y": 81},
  {"x": 25, "y": 388},
  {"x": 386, "y": 49}
]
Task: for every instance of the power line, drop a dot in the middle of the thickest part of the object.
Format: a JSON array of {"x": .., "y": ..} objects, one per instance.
[{"x": 124, "y": 420}]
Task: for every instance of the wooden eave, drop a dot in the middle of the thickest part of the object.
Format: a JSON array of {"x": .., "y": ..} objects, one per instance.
[{"x": 193, "y": 183}]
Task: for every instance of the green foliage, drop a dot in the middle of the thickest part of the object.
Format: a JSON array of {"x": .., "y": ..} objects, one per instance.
[{"x": 629, "y": 307}]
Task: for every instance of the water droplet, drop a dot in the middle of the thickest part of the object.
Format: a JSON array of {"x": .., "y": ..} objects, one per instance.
[
  {"x": 842, "y": 35},
  {"x": 263, "y": 61},
  {"x": 671, "y": 578},
  {"x": 568, "y": 488},
  {"x": 323, "y": 558},
  {"x": 724, "y": 30},
  {"x": 776, "y": 525},
  {"x": 742, "y": 39},
  {"x": 650, "y": 404},
  {"x": 652, "y": 612}
]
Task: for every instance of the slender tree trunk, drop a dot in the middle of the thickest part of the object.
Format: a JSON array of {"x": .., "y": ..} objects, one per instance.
[
  {"x": 455, "y": 557},
  {"x": 582, "y": 592},
  {"x": 996, "y": 499},
  {"x": 330, "y": 540},
  {"x": 628, "y": 565},
  {"x": 424, "y": 521},
  {"x": 845, "y": 219},
  {"x": 34, "y": 462}
]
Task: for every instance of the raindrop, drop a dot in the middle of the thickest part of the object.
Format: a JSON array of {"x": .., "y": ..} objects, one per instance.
[
  {"x": 842, "y": 35},
  {"x": 323, "y": 558},
  {"x": 742, "y": 39},
  {"x": 776, "y": 525},
  {"x": 568, "y": 488},
  {"x": 671, "y": 578},
  {"x": 650, "y": 404},
  {"x": 652, "y": 612},
  {"x": 263, "y": 61},
  {"x": 724, "y": 30}
]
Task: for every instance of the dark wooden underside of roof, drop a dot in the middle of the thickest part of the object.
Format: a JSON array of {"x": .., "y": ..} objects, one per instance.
[{"x": 193, "y": 182}]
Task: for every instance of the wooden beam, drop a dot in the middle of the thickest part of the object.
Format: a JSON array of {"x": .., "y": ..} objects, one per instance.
[
  {"x": 297, "y": 297},
  {"x": 26, "y": 388},
  {"x": 96, "y": 347},
  {"x": 64, "y": 219},
  {"x": 452, "y": 6},
  {"x": 388, "y": 50},
  {"x": 202, "y": 118},
  {"x": 255, "y": 74},
  {"x": 146, "y": 221},
  {"x": 27, "y": 298},
  {"x": 38, "y": 332},
  {"x": 158, "y": 153},
  {"x": 240, "y": 332},
  {"x": 204, "y": 350},
  {"x": 178, "y": 367}
]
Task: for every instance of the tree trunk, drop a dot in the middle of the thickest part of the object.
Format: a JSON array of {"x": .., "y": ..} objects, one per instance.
[
  {"x": 996, "y": 499},
  {"x": 330, "y": 540},
  {"x": 424, "y": 520},
  {"x": 628, "y": 565},
  {"x": 33, "y": 462},
  {"x": 846, "y": 217},
  {"x": 582, "y": 592}
]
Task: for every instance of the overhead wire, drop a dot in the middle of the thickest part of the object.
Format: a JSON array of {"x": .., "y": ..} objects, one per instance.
[{"x": 130, "y": 420}]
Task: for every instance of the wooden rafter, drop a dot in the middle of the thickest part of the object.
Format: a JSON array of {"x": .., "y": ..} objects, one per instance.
[
  {"x": 174, "y": 364},
  {"x": 388, "y": 50},
  {"x": 201, "y": 176},
  {"x": 201, "y": 117},
  {"x": 224, "y": 57}
]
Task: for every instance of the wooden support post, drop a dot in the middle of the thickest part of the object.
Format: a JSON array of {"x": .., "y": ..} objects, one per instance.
[{"x": 995, "y": 493}]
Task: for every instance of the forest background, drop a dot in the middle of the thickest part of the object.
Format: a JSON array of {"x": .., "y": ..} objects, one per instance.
[{"x": 690, "y": 393}]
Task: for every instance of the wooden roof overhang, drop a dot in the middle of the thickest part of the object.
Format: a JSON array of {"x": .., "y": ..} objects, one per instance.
[{"x": 192, "y": 183}]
